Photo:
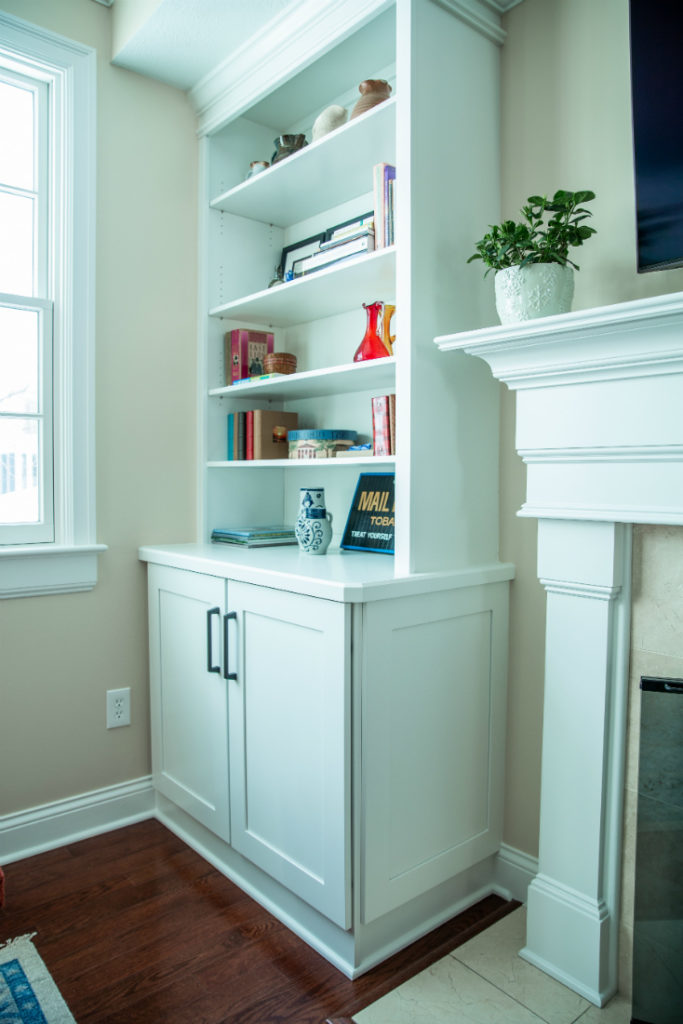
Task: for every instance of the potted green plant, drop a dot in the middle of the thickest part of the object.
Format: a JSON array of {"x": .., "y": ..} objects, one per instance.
[{"x": 534, "y": 274}]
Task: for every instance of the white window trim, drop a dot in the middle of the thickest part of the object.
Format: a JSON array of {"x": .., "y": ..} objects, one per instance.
[{"x": 70, "y": 563}]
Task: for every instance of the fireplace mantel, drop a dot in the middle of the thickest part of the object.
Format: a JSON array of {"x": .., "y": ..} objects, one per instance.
[
  {"x": 599, "y": 408},
  {"x": 600, "y": 428}
]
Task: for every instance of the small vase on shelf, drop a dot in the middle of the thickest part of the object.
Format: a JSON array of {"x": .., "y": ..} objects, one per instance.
[
  {"x": 313, "y": 527},
  {"x": 372, "y": 346},
  {"x": 373, "y": 91}
]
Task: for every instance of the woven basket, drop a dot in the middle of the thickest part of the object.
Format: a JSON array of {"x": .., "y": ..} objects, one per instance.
[{"x": 279, "y": 362}]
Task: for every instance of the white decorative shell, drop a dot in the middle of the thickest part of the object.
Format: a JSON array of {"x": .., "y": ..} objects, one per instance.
[{"x": 331, "y": 118}]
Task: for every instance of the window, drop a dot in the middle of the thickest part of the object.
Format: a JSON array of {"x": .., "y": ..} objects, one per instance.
[{"x": 47, "y": 216}]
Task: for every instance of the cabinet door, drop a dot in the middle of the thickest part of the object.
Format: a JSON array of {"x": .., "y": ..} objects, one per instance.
[
  {"x": 290, "y": 742},
  {"x": 189, "y": 694},
  {"x": 433, "y": 728}
]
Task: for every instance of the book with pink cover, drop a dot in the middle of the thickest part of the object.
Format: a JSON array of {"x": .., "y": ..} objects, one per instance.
[{"x": 245, "y": 351}]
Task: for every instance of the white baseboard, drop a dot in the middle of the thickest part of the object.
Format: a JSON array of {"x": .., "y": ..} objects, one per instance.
[
  {"x": 567, "y": 934},
  {"x": 514, "y": 873},
  {"x": 78, "y": 817}
]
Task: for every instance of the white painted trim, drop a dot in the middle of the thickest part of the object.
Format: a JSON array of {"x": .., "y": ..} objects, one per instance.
[
  {"x": 292, "y": 40},
  {"x": 580, "y": 589},
  {"x": 286, "y": 44},
  {"x": 479, "y": 16},
  {"x": 664, "y": 515},
  {"x": 559, "y": 917},
  {"x": 29, "y": 571},
  {"x": 71, "y": 70},
  {"x": 514, "y": 872},
  {"x": 624, "y": 453},
  {"x": 501, "y": 6},
  {"x": 61, "y": 822},
  {"x": 629, "y": 339}
]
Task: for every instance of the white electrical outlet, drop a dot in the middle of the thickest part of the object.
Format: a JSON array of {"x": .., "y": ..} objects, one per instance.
[{"x": 118, "y": 707}]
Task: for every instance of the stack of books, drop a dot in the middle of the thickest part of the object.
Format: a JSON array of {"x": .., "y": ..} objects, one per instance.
[
  {"x": 345, "y": 241},
  {"x": 383, "y": 190},
  {"x": 255, "y": 536},
  {"x": 259, "y": 434},
  {"x": 384, "y": 425}
]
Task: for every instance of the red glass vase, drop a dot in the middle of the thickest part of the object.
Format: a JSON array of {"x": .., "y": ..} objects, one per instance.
[{"x": 372, "y": 346}]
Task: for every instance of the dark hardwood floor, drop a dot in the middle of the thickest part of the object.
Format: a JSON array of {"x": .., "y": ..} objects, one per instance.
[{"x": 136, "y": 928}]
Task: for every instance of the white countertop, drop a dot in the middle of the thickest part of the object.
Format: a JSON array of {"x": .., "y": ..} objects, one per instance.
[{"x": 338, "y": 576}]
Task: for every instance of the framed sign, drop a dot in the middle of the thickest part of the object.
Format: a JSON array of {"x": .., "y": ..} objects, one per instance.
[
  {"x": 370, "y": 523},
  {"x": 297, "y": 251}
]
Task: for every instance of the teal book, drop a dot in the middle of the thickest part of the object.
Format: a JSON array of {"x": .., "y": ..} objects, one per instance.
[{"x": 231, "y": 436}]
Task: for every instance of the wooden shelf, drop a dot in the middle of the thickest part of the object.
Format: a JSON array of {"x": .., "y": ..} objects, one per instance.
[
  {"x": 371, "y": 374},
  {"x": 336, "y": 289},
  {"x": 319, "y": 176}
]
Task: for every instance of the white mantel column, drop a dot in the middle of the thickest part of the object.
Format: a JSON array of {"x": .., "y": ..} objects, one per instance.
[
  {"x": 573, "y": 901},
  {"x": 599, "y": 426}
]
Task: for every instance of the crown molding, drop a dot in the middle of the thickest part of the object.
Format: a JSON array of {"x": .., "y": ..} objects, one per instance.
[
  {"x": 287, "y": 43},
  {"x": 299, "y": 35},
  {"x": 482, "y": 15},
  {"x": 630, "y": 339}
]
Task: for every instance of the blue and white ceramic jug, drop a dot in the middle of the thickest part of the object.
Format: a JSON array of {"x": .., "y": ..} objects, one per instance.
[{"x": 314, "y": 523}]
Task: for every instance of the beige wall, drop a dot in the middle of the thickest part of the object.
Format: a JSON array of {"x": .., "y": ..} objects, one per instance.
[
  {"x": 58, "y": 655},
  {"x": 127, "y": 17},
  {"x": 566, "y": 124}
]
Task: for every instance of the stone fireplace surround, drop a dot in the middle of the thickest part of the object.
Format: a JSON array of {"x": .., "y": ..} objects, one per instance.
[{"x": 600, "y": 428}]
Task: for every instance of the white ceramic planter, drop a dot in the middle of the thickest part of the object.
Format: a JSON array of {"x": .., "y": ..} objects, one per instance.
[{"x": 539, "y": 289}]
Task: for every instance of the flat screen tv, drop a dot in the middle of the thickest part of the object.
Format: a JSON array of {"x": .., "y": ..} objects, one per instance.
[{"x": 657, "y": 96}]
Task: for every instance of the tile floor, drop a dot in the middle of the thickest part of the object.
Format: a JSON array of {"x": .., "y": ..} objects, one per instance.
[{"x": 486, "y": 982}]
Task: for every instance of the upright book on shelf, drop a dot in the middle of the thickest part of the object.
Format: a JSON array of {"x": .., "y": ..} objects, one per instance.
[
  {"x": 270, "y": 433},
  {"x": 383, "y": 178},
  {"x": 244, "y": 353},
  {"x": 384, "y": 424},
  {"x": 381, "y": 437},
  {"x": 259, "y": 434}
]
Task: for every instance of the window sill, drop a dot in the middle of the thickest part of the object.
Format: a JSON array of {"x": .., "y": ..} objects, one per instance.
[{"x": 32, "y": 570}]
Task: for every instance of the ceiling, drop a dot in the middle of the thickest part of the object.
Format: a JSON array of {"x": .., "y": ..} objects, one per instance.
[{"x": 181, "y": 40}]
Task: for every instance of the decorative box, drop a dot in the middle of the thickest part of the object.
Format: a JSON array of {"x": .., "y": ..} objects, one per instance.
[{"x": 318, "y": 444}]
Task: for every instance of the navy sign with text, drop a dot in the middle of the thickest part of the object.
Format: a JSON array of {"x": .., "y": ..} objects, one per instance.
[{"x": 370, "y": 525}]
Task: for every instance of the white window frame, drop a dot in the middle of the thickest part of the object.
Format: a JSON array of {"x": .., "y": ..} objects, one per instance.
[
  {"x": 43, "y": 531},
  {"x": 69, "y": 563}
]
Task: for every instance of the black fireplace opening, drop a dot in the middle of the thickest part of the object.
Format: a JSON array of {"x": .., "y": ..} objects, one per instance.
[{"x": 658, "y": 912}]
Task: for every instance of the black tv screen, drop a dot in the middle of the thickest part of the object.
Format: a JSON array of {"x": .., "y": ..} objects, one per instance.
[{"x": 657, "y": 97}]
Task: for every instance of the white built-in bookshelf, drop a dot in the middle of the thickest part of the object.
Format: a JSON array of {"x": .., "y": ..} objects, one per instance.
[
  {"x": 446, "y": 468},
  {"x": 380, "y": 678},
  {"x": 308, "y": 182},
  {"x": 332, "y": 290}
]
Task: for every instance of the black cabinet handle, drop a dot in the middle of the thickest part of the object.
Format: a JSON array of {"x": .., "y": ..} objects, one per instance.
[
  {"x": 210, "y": 667},
  {"x": 226, "y": 619}
]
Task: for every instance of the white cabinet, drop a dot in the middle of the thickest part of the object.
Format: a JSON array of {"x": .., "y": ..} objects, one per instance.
[
  {"x": 346, "y": 754},
  {"x": 362, "y": 735},
  {"x": 189, "y": 710},
  {"x": 250, "y": 693},
  {"x": 290, "y": 742},
  {"x": 433, "y": 728}
]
